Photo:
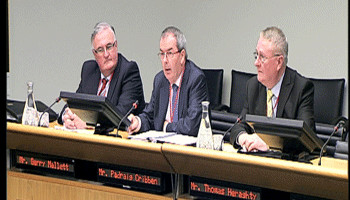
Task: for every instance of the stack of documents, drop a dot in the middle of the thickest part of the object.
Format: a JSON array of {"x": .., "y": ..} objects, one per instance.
[{"x": 167, "y": 137}]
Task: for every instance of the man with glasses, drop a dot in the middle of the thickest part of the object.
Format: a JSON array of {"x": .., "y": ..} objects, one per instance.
[
  {"x": 276, "y": 91},
  {"x": 110, "y": 75},
  {"x": 178, "y": 91}
]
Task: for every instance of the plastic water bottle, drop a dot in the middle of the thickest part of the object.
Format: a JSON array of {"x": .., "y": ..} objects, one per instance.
[{"x": 205, "y": 135}]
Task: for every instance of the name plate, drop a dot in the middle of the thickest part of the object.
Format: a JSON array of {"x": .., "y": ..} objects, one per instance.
[
  {"x": 208, "y": 188},
  {"x": 43, "y": 164},
  {"x": 134, "y": 178}
]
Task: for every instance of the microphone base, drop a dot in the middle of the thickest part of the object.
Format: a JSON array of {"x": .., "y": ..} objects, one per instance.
[{"x": 99, "y": 130}]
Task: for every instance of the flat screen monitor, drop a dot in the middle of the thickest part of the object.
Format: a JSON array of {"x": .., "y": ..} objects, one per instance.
[
  {"x": 287, "y": 135},
  {"x": 94, "y": 109}
]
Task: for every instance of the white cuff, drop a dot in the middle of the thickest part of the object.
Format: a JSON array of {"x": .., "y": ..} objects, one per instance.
[
  {"x": 165, "y": 125},
  {"x": 240, "y": 133},
  {"x": 139, "y": 124},
  {"x": 64, "y": 112}
]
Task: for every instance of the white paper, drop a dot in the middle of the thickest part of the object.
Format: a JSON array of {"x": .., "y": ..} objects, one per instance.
[
  {"x": 85, "y": 131},
  {"x": 167, "y": 137}
]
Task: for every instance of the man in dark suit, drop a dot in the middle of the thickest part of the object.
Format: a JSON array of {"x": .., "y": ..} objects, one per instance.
[
  {"x": 110, "y": 75},
  {"x": 291, "y": 95},
  {"x": 178, "y": 91}
]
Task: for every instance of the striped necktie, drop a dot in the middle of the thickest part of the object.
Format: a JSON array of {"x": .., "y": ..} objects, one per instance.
[{"x": 102, "y": 91}]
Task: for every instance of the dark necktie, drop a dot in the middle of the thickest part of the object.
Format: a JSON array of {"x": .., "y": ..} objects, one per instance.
[
  {"x": 102, "y": 91},
  {"x": 175, "y": 103}
]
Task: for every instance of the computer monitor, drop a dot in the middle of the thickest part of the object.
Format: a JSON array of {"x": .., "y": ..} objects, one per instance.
[
  {"x": 287, "y": 135},
  {"x": 93, "y": 109}
]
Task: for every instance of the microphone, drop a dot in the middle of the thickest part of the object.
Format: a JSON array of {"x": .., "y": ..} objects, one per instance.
[
  {"x": 238, "y": 120},
  {"x": 133, "y": 107},
  {"x": 58, "y": 99},
  {"x": 339, "y": 124}
]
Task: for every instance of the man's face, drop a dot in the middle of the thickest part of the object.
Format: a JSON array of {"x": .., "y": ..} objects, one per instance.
[
  {"x": 105, "y": 51},
  {"x": 173, "y": 62},
  {"x": 268, "y": 63}
]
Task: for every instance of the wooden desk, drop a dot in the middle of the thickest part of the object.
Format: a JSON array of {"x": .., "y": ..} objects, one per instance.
[
  {"x": 327, "y": 181},
  {"x": 23, "y": 186},
  {"x": 97, "y": 148}
]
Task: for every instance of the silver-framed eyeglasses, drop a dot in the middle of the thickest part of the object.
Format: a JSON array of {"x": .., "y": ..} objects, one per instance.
[
  {"x": 263, "y": 58},
  {"x": 108, "y": 48},
  {"x": 169, "y": 54}
]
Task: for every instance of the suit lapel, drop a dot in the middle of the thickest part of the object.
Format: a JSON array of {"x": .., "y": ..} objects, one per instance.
[
  {"x": 115, "y": 77},
  {"x": 182, "y": 103},
  {"x": 95, "y": 81},
  {"x": 164, "y": 100},
  {"x": 261, "y": 101},
  {"x": 286, "y": 87}
]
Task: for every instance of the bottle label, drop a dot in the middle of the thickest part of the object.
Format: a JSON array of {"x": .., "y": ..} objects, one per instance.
[{"x": 30, "y": 117}]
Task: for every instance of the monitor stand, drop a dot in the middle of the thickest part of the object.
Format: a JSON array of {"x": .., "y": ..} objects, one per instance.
[{"x": 303, "y": 157}]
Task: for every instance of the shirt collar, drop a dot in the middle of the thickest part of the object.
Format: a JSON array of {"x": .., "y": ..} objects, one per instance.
[
  {"x": 277, "y": 88},
  {"x": 108, "y": 77},
  {"x": 178, "y": 81}
]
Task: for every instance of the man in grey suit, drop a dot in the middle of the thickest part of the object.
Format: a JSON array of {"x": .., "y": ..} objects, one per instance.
[
  {"x": 292, "y": 95},
  {"x": 178, "y": 91},
  {"x": 110, "y": 75}
]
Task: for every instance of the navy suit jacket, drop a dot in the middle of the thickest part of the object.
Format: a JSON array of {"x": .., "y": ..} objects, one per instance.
[
  {"x": 124, "y": 89},
  {"x": 193, "y": 91},
  {"x": 296, "y": 101}
]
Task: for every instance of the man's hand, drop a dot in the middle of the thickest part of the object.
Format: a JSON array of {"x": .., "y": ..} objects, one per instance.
[
  {"x": 252, "y": 142},
  {"x": 135, "y": 124},
  {"x": 72, "y": 121}
]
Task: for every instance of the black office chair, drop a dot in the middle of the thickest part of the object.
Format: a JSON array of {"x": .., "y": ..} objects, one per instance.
[
  {"x": 214, "y": 81},
  {"x": 221, "y": 122},
  {"x": 238, "y": 90},
  {"x": 328, "y": 99},
  {"x": 342, "y": 150},
  {"x": 223, "y": 117},
  {"x": 328, "y": 105}
]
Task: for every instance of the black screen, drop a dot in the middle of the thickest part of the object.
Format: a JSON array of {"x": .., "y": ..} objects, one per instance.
[
  {"x": 288, "y": 135},
  {"x": 94, "y": 109}
]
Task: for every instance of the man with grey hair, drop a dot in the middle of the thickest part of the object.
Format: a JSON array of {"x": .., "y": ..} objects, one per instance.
[
  {"x": 276, "y": 91},
  {"x": 110, "y": 75},
  {"x": 178, "y": 91}
]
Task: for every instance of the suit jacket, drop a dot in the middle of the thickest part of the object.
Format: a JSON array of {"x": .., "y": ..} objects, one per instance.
[
  {"x": 296, "y": 101},
  {"x": 192, "y": 92},
  {"x": 124, "y": 89}
]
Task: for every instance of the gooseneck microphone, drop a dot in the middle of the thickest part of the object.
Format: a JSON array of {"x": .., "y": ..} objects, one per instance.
[
  {"x": 238, "y": 120},
  {"x": 339, "y": 124},
  {"x": 58, "y": 99},
  {"x": 133, "y": 107}
]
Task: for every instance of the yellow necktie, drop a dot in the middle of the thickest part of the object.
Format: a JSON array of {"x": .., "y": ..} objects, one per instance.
[{"x": 269, "y": 103}]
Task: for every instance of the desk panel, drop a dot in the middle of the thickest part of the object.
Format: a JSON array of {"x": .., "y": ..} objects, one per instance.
[
  {"x": 327, "y": 181},
  {"x": 96, "y": 148},
  {"x": 28, "y": 186}
]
